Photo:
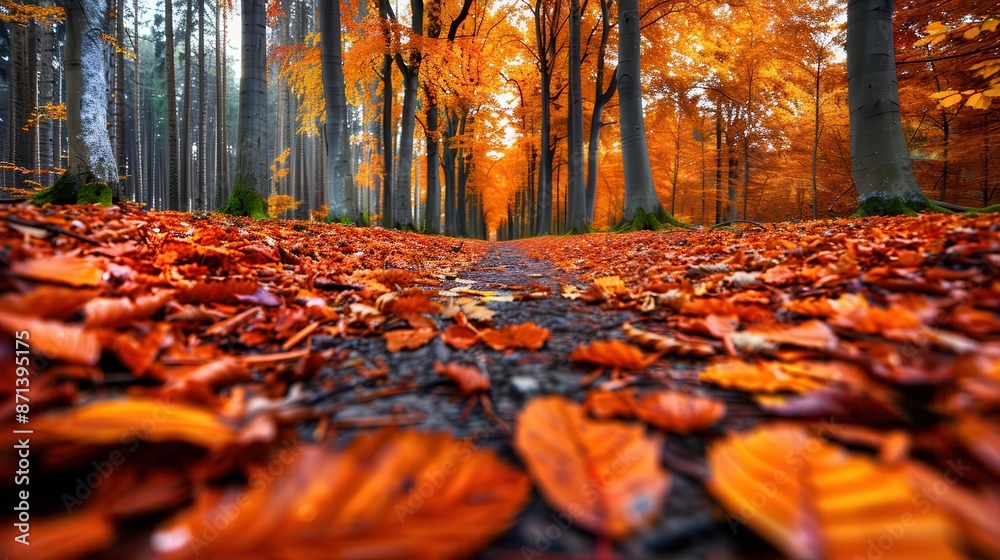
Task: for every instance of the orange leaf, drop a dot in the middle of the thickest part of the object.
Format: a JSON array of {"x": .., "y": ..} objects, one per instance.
[
  {"x": 414, "y": 304},
  {"x": 812, "y": 499},
  {"x": 112, "y": 422},
  {"x": 713, "y": 325},
  {"x": 408, "y": 339},
  {"x": 459, "y": 336},
  {"x": 468, "y": 378},
  {"x": 525, "y": 335},
  {"x": 680, "y": 413},
  {"x": 48, "y": 302},
  {"x": 60, "y": 269},
  {"x": 64, "y": 537},
  {"x": 605, "y": 475},
  {"x": 387, "y": 495},
  {"x": 55, "y": 340},
  {"x": 614, "y": 354},
  {"x": 209, "y": 291},
  {"x": 609, "y": 404},
  {"x": 810, "y": 334},
  {"x": 774, "y": 377},
  {"x": 119, "y": 312}
]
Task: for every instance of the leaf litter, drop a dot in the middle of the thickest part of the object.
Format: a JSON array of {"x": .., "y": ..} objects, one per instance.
[{"x": 800, "y": 390}]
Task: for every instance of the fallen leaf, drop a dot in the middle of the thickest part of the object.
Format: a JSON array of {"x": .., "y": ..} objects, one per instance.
[
  {"x": 773, "y": 377},
  {"x": 64, "y": 537},
  {"x": 605, "y": 475},
  {"x": 459, "y": 336},
  {"x": 60, "y": 269},
  {"x": 605, "y": 404},
  {"x": 526, "y": 335},
  {"x": 389, "y": 494},
  {"x": 55, "y": 340},
  {"x": 117, "y": 421},
  {"x": 678, "y": 412},
  {"x": 811, "y": 499},
  {"x": 48, "y": 301},
  {"x": 119, "y": 312},
  {"x": 468, "y": 378},
  {"x": 614, "y": 354},
  {"x": 408, "y": 339},
  {"x": 667, "y": 344}
]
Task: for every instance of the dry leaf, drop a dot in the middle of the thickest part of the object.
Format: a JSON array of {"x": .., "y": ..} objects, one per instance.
[
  {"x": 117, "y": 421},
  {"x": 614, "y": 354},
  {"x": 526, "y": 335},
  {"x": 667, "y": 344},
  {"x": 605, "y": 404},
  {"x": 408, "y": 339},
  {"x": 811, "y": 499},
  {"x": 387, "y": 495},
  {"x": 61, "y": 269},
  {"x": 120, "y": 312},
  {"x": 459, "y": 336},
  {"x": 605, "y": 475},
  {"x": 773, "y": 377},
  {"x": 468, "y": 378},
  {"x": 680, "y": 413},
  {"x": 55, "y": 340}
]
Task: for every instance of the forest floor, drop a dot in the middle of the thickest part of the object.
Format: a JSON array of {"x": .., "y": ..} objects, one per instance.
[{"x": 213, "y": 387}]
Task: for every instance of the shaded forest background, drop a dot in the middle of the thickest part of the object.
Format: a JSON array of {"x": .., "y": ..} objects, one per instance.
[{"x": 744, "y": 101}]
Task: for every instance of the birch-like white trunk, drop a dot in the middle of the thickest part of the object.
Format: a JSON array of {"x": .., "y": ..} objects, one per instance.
[{"x": 90, "y": 155}]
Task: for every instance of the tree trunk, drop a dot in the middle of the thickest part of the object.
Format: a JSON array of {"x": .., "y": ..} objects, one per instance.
[
  {"x": 410, "y": 71},
  {"x": 388, "y": 220},
  {"x": 251, "y": 185},
  {"x": 173, "y": 181},
  {"x": 642, "y": 207},
  {"x": 602, "y": 96},
  {"x": 121, "y": 149},
  {"x": 185, "y": 155},
  {"x": 92, "y": 172},
  {"x": 221, "y": 152},
  {"x": 816, "y": 121},
  {"x": 202, "y": 168},
  {"x": 882, "y": 171},
  {"x": 336, "y": 110},
  {"x": 576, "y": 194},
  {"x": 545, "y": 56}
]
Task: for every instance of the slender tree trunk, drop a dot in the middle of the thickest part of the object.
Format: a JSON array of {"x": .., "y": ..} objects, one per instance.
[
  {"x": 545, "y": 55},
  {"x": 816, "y": 130},
  {"x": 450, "y": 197},
  {"x": 882, "y": 170},
  {"x": 185, "y": 157},
  {"x": 251, "y": 186},
  {"x": 410, "y": 71},
  {"x": 221, "y": 153},
  {"x": 202, "y": 160},
  {"x": 388, "y": 211},
  {"x": 432, "y": 214},
  {"x": 140, "y": 176},
  {"x": 639, "y": 191},
  {"x": 173, "y": 166},
  {"x": 121, "y": 149},
  {"x": 718, "y": 162},
  {"x": 47, "y": 94},
  {"x": 336, "y": 111},
  {"x": 602, "y": 96},
  {"x": 576, "y": 192}
]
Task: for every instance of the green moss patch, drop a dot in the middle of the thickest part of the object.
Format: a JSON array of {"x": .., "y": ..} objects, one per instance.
[
  {"x": 655, "y": 221},
  {"x": 245, "y": 201},
  {"x": 73, "y": 189}
]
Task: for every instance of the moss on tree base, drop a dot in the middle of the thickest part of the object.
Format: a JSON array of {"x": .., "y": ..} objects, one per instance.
[
  {"x": 655, "y": 221},
  {"x": 245, "y": 202},
  {"x": 984, "y": 210},
  {"x": 878, "y": 206},
  {"x": 72, "y": 189}
]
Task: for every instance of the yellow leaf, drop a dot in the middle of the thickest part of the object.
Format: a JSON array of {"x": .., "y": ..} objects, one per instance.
[
  {"x": 812, "y": 499},
  {"x": 992, "y": 92},
  {"x": 978, "y": 101},
  {"x": 971, "y": 34},
  {"x": 943, "y": 94},
  {"x": 951, "y": 100},
  {"x": 990, "y": 25},
  {"x": 936, "y": 28}
]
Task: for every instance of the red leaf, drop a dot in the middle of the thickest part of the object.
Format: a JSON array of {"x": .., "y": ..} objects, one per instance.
[{"x": 468, "y": 378}]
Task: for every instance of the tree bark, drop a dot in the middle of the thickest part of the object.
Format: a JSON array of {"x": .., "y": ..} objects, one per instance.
[
  {"x": 173, "y": 177},
  {"x": 185, "y": 154},
  {"x": 546, "y": 54},
  {"x": 882, "y": 171},
  {"x": 92, "y": 172},
  {"x": 576, "y": 194},
  {"x": 336, "y": 111},
  {"x": 602, "y": 96},
  {"x": 640, "y": 195},
  {"x": 251, "y": 185}
]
